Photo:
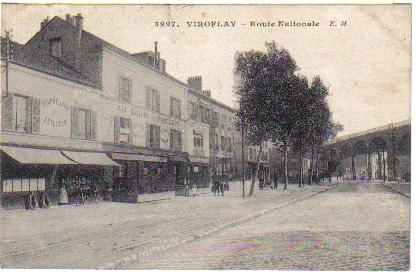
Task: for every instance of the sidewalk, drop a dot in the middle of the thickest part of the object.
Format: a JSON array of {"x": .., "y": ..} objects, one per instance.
[
  {"x": 403, "y": 188},
  {"x": 91, "y": 236}
]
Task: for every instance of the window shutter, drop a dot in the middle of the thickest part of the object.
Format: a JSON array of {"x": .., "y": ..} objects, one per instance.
[
  {"x": 157, "y": 101},
  {"x": 74, "y": 122},
  {"x": 157, "y": 136},
  {"x": 148, "y": 98},
  {"x": 36, "y": 116},
  {"x": 130, "y": 91},
  {"x": 171, "y": 106},
  {"x": 120, "y": 89},
  {"x": 130, "y": 137},
  {"x": 88, "y": 125},
  {"x": 8, "y": 116},
  {"x": 93, "y": 125},
  {"x": 180, "y": 140},
  {"x": 147, "y": 135},
  {"x": 28, "y": 125},
  {"x": 116, "y": 129}
]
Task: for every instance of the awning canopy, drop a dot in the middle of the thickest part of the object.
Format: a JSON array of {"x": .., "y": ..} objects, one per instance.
[
  {"x": 36, "y": 156},
  {"x": 137, "y": 157},
  {"x": 90, "y": 158},
  {"x": 198, "y": 160}
]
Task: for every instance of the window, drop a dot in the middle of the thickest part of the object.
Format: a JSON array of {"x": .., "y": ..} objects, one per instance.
[
  {"x": 152, "y": 99},
  {"x": 21, "y": 114},
  {"x": 223, "y": 144},
  {"x": 125, "y": 90},
  {"x": 153, "y": 136},
  {"x": 198, "y": 140},
  {"x": 55, "y": 47},
  {"x": 193, "y": 108},
  {"x": 124, "y": 130},
  {"x": 83, "y": 124},
  {"x": 175, "y": 107},
  {"x": 175, "y": 140},
  {"x": 23, "y": 185}
]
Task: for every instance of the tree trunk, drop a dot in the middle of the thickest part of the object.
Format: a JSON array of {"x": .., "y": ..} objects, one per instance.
[
  {"x": 301, "y": 169},
  {"x": 311, "y": 168},
  {"x": 317, "y": 167},
  {"x": 253, "y": 178},
  {"x": 285, "y": 166}
]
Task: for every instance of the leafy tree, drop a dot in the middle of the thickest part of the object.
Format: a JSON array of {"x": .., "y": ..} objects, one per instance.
[{"x": 252, "y": 90}]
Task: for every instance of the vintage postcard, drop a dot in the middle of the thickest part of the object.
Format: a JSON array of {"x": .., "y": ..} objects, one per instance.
[{"x": 205, "y": 137}]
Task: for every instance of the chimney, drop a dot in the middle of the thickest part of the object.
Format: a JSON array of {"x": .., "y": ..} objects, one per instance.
[
  {"x": 207, "y": 93},
  {"x": 162, "y": 64},
  {"x": 44, "y": 22},
  {"x": 195, "y": 83},
  {"x": 69, "y": 19},
  {"x": 156, "y": 61},
  {"x": 79, "y": 24}
]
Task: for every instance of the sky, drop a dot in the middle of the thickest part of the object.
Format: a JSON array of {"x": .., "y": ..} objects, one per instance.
[{"x": 366, "y": 64}]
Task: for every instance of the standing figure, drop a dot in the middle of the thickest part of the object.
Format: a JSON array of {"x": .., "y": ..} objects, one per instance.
[{"x": 275, "y": 181}]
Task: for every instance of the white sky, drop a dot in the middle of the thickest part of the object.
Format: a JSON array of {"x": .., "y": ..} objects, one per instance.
[{"x": 366, "y": 64}]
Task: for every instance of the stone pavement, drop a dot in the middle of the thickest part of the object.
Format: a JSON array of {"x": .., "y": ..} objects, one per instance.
[
  {"x": 100, "y": 235},
  {"x": 354, "y": 226}
]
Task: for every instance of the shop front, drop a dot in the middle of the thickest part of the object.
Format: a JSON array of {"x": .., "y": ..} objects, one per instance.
[
  {"x": 199, "y": 171},
  {"x": 49, "y": 172}
]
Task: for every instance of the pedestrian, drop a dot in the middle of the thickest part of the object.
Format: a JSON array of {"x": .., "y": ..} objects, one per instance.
[
  {"x": 186, "y": 183},
  {"x": 194, "y": 190},
  {"x": 275, "y": 181},
  {"x": 222, "y": 186},
  {"x": 44, "y": 200},
  {"x": 29, "y": 202}
]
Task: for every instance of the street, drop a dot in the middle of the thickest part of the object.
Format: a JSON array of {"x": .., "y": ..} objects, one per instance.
[
  {"x": 92, "y": 236},
  {"x": 350, "y": 227}
]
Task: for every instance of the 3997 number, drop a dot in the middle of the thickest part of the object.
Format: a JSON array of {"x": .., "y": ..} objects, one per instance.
[{"x": 166, "y": 24}]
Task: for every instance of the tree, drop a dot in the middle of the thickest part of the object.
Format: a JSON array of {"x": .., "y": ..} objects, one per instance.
[{"x": 251, "y": 88}]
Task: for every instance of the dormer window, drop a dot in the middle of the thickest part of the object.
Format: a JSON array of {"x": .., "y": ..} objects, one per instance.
[{"x": 55, "y": 47}]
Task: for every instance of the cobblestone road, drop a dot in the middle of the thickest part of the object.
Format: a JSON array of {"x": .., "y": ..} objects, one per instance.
[
  {"x": 91, "y": 236},
  {"x": 351, "y": 227}
]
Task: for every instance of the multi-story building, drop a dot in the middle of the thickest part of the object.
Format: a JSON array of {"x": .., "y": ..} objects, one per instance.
[
  {"x": 88, "y": 112},
  {"x": 221, "y": 121}
]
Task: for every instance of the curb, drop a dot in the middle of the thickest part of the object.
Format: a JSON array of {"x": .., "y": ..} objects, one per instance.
[
  {"x": 395, "y": 190},
  {"x": 142, "y": 254}
]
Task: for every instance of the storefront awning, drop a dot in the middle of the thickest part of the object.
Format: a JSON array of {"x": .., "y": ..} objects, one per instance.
[
  {"x": 137, "y": 157},
  {"x": 90, "y": 158},
  {"x": 198, "y": 160},
  {"x": 36, "y": 156}
]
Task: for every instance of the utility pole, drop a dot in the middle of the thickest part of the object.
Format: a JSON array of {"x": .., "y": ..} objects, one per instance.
[
  {"x": 7, "y": 37},
  {"x": 242, "y": 153}
]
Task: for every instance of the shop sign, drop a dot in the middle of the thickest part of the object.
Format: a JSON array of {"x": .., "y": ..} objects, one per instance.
[{"x": 137, "y": 157}]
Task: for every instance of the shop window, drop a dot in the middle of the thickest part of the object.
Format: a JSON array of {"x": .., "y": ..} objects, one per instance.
[
  {"x": 125, "y": 90},
  {"x": 175, "y": 140},
  {"x": 153, "y": 135},
  {"x": 55, "y": 47},
  {"x": 152, "y": 99},
  {"x": 23, "y": 185},
  {"x": 175, "y": 107}
]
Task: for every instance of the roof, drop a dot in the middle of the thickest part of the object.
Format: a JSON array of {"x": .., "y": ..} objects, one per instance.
[
  {"x": 51, "y": 65},
  {"x": 42, "y": 62}
]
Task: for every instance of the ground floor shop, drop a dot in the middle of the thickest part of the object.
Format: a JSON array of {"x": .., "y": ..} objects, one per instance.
[{"x": 64, "y": 177}]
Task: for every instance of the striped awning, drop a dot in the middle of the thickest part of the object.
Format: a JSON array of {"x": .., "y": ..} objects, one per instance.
[
  {"x": 90, "y": 158},
  {"x": 36, "y": 156}
]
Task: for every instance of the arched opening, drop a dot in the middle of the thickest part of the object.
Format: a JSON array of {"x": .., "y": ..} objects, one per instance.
[{"x": 378, "y": 159}]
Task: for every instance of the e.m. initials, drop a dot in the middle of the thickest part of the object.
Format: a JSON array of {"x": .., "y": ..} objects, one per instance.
[{"x": 335, "y": 23}]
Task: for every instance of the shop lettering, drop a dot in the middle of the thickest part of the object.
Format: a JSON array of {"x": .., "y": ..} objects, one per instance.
[
  {"x": 139, "y": 114},
  {"x": 55, "y": 123},
  {"x": 168, "y": 121},
  {"x": 55, "y": 101}
]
